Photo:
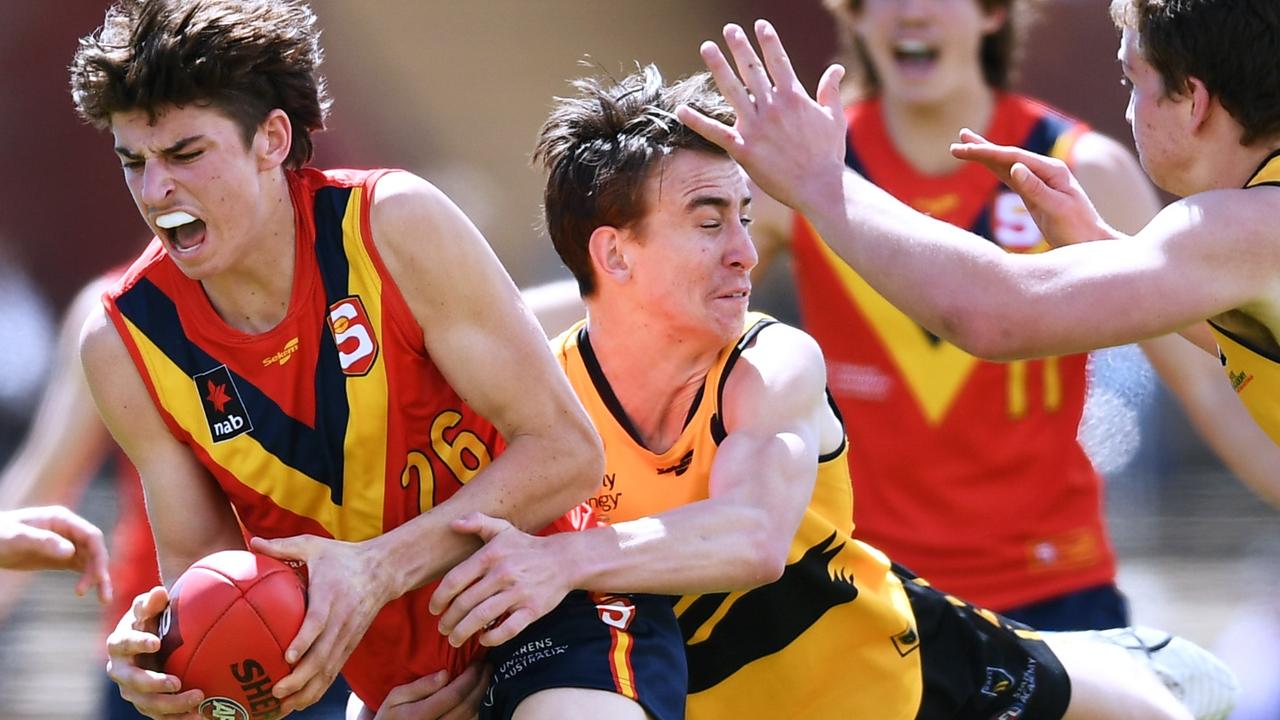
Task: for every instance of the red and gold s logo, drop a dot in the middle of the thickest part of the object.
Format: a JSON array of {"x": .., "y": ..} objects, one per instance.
[
  {"x": 615, "y": 610},
  {"x": 353, "y": 335}
]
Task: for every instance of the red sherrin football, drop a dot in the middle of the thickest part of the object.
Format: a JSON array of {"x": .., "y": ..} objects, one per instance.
[{"x": 230, "y": 618}]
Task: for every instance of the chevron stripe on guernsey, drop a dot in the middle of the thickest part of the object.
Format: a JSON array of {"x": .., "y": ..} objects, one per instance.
[
  {"x": 347, "y": 269},
  {"x": 312, "y": 462},
  {"x": 926, "y": 419},
  {"x": 290, "y": 453}
]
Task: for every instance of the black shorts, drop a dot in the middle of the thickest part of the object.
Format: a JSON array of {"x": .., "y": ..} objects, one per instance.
[
  {"x": 978, "y": 665},
  {"x": 628, "y": 644}
]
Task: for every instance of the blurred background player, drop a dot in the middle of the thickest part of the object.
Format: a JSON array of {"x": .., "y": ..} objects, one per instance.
[
  {"x": 967, "y": 471},
  {"x": 63, "y": 449}
]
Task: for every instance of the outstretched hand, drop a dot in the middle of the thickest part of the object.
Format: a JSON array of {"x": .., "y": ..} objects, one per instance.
[
  {"x": 54, "y": 538},
  {"x": 513, "y": 580},
  {"x": 1051, "y": 194},
  {"x": 792, "y": 145}
]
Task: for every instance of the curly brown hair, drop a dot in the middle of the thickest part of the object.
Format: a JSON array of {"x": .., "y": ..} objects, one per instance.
[
  {"x": 1229, "y": 45},
  {"x": 600, "y": 146},
  {"x": 999, "y": 52},
  {"x": 242, "y": 57}
]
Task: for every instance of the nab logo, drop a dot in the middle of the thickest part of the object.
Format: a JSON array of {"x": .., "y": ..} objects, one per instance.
[
  {"x": 681, "y": 467},
  {"x": 220, "y": 708},
  {"x": 222, "y": 405},
  {"x": 616, "y": 611},
  {"x": 353, "y": 335}
]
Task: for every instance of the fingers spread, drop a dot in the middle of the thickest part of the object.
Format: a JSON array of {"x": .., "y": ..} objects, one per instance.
[
  {"x": 750, "y": 68},
  {"x": 713, "y": 130},
  {"x": 775, "y": 57},
  {"x": 725, "y": 78},
  {"x": 828, "y": 94}
]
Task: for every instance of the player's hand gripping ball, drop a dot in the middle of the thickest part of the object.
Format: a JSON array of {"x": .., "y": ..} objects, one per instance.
[{"x": 230, "y": 618}]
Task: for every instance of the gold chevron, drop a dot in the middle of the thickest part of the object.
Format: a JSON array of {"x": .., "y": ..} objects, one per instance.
[{"x": 933, "y": 372}]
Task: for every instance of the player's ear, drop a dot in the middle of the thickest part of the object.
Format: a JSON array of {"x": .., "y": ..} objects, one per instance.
[
  {"x": 273, "y": 139},
  {"x": 994, "y": 19},
  {"x": 607, "y": 247},
  {"x": 1201, "y": 102}
]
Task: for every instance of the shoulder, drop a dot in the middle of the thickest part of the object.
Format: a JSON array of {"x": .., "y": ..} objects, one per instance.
[
  {"x": 401, "y": 199},
  {"x": 1234, "y": 216},
  {"x": 101, "y": 347},
  {"x": 781, "y": 364},
  {"x": 420, "y": 233}
]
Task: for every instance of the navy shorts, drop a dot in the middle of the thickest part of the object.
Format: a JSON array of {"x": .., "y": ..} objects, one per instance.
[
  {"x": 628, "y": 644},
  {"x": 978, "y": 665},
  {"x": 1096, "y": 608}
]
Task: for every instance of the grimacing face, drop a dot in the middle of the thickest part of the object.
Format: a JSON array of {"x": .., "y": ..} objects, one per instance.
[
  {"x": 194, "y": 181},
  {"x": 691, "y": 257}
]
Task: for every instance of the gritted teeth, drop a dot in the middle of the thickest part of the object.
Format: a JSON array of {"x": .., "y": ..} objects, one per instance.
[{"x": 171, "y": 220}]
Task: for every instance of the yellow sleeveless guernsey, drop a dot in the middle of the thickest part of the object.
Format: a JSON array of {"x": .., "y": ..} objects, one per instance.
[
  {"x": 834, "y": 637},
  {"x": 1254, "y": 375}
]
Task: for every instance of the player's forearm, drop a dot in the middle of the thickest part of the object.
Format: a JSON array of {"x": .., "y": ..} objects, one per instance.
[
  {"x": 948, "y": 280},
  {"x": 708, "y": 546},
  {"x": 533, "y": 482}
]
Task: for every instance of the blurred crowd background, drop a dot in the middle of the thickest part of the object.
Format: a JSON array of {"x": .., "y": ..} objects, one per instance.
[{"x": 455, "y": 91}]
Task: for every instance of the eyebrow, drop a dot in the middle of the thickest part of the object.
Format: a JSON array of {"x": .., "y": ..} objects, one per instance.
[
  {"x": 716, "y": 201},
  {"x": 177, "y": 147}
]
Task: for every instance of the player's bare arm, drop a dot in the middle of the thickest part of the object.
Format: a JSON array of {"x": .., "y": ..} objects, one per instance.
[
  {"x": 491, "y": 351},
  {"x": 66, "y": 440},
  {"x": 190, "y": 516},
  {"x": 1127, "y": 201},
  {"x": 762, "y": 479},
  {"x": 1198, "y": 258}
]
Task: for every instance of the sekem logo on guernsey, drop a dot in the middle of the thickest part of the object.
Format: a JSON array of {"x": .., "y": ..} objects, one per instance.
[
  {"x": 223, "y": 408},
  {"x": 353, "y": 335}
]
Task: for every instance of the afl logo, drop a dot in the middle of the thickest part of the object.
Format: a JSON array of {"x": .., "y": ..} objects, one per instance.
[
  {"x": 221, "y": 708},
  {"x": 353, "y": 335}
]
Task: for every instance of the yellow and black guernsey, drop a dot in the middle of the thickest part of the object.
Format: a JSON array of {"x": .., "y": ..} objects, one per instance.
[
  {"x": 1254, "y": 372},
  {"x": 336, "y": 422},
  {"x": 790, "y": 648}
]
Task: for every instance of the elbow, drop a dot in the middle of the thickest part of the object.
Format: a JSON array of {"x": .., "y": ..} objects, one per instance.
[
  {"x": 764, "y": 551},
  {"x": 585, "y": 458},
  {"x": 986, "y": 335}
]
